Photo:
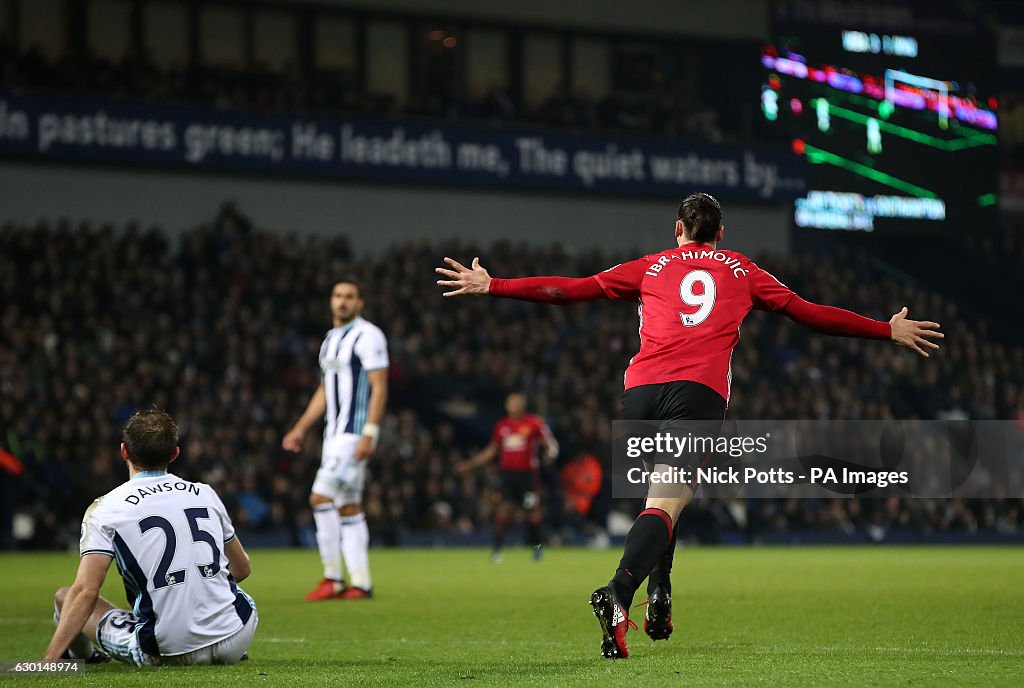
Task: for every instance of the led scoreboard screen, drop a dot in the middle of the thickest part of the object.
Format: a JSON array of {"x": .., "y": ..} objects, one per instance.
[{"x": 893, "y": 108}]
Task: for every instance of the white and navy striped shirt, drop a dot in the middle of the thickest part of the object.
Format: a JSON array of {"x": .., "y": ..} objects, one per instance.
[
  {"x": 168, "y": 536},
  {"x": 347, "y": 354}
]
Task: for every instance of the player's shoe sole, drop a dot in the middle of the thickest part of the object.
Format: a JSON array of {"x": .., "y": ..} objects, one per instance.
[
  {"x": 658, "y": 619},
  {"x": 614, "y": 623}
]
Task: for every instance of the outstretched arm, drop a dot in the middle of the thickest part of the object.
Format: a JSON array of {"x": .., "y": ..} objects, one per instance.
[
  {"x": 835, "y": 321},
  {"x": 555, "y": 290},
  {"x": 912, "y": 334},
  {"x": 770, "y": 294}
]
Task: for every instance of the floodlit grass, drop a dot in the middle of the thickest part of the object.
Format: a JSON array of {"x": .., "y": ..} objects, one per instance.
[{"x": 831, "y": 617}]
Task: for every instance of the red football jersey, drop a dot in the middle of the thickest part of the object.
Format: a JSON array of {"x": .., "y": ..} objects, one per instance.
[
  {"x": 519, "y": 440},
  {"x": 692, "y": 300}
]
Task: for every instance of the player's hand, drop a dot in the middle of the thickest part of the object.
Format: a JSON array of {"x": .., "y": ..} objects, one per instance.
[
  {"x": 914, "y": 334},
  {"x": 293, "y": 440},
  {"x": 364, "y": 448},
  {"x": 461, "y": 468},
  {"x": 465, "y": 281}
]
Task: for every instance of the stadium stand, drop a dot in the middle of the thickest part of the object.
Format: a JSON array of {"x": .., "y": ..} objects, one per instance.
[
  {"x": 638, "y": 102},
  {"x": 220, "y": 325}
]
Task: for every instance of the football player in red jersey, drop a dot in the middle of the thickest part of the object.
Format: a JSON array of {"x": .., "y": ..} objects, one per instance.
[
  {"x": 518, "y": 438},
  {"x": 691, "y": 300}
]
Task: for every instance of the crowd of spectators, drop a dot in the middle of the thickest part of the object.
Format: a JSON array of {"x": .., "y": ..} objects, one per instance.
[
  {"x": 650, "y": 109},
  {"x": 221, "y": 325}
]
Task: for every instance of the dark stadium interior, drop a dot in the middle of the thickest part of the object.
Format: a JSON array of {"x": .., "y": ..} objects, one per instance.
[
  {"x": 229, "y": 356},
  {"x": 512, "y": 343},
  {"x": 219, "y": 323},
  {"x": 321, "y": 62}
]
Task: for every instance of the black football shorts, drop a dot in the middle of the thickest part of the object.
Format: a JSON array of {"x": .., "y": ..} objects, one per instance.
[
  {"x": 522, "y": 488},
  {"x": 682, "y": 409}
]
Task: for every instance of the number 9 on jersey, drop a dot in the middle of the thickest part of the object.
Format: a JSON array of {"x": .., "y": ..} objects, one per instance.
[{"x": 705, "y": 300}]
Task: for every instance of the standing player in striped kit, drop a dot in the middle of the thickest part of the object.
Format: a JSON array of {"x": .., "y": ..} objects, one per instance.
[{"x": 351, "y": 398}]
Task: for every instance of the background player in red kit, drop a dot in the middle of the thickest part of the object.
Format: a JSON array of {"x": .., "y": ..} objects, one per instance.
[
  {"x": 691, "y": 300},
  {"x": 518, "y": 437}
]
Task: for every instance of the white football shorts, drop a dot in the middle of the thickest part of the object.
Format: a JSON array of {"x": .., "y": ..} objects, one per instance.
[
  {"x": 341, "y": 477},
  {"x": 116, "y": 635}
]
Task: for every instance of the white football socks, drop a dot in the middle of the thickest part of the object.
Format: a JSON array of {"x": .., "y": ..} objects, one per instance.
[
  {"x": 355, "y": 545},
  {"x": 328, "y": 539}
]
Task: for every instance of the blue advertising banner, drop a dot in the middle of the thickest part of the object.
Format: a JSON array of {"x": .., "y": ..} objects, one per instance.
[{"x": 89, "y": 130}]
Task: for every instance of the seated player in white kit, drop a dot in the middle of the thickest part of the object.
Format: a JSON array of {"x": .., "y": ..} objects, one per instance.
[{"x": 177, "y": 552}]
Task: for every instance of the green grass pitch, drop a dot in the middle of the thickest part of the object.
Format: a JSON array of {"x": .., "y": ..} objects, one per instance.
[{"x": 854, "y": 616}]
